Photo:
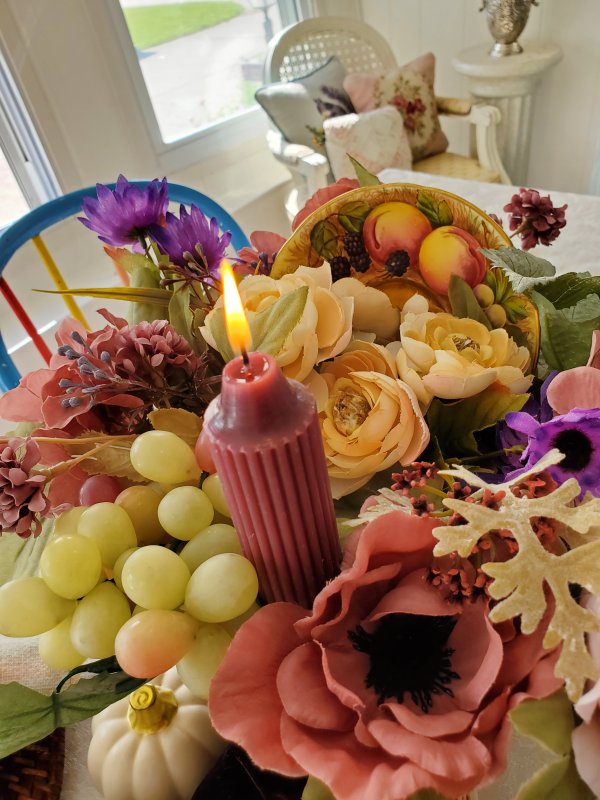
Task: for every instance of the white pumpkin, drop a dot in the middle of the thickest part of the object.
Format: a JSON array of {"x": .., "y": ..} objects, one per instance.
[{"x": 156, "y": 744}]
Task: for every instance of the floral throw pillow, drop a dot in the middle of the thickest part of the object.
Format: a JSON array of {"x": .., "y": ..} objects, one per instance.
[
  {"x": 410, "y": 90},
  {"x": 377, "y": 139}
]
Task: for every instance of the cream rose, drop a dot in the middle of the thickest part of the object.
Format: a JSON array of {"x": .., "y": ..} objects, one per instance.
[
  {"x": 370, "y": 422},
  {"x": 324, "y": 329},
  {"x": 373, "y": 310},
  {"x": 440, "y": 355}
]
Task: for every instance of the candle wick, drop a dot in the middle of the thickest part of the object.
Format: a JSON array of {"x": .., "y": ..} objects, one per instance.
[
  {"x": 246, "y": 371},
  {"x": 245, "y": 358}
]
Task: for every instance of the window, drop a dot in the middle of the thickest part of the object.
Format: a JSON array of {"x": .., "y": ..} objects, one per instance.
[{"x": 202, "y": 61}]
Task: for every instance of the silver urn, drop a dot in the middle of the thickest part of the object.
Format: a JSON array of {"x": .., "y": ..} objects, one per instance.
[{"x": 506, "y": 20}]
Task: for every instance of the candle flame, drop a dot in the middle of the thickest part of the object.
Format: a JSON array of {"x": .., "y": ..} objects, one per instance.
[{"x": 238, "y": 330}]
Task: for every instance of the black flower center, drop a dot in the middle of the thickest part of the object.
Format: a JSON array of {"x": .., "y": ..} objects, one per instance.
[
  {"x": 408, "y": 655},
  {"x": 577, "y": 449}
]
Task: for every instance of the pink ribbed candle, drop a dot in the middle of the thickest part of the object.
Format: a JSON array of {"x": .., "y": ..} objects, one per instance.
[{"x": 265, "y": 440}]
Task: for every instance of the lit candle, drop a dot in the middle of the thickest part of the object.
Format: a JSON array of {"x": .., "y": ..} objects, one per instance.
[{"x": 265, "y": 440}]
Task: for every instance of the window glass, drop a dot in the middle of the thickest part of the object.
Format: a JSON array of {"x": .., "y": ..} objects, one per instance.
[
  {"x": 12, "y": 200},
  {"x": 201, "y": 61}
]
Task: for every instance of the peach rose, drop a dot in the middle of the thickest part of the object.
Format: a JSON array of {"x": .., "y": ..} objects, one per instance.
[
  {"x": 324, "y": 329},
  {"x": 370, "y": 422},
  {"x": 373, "y": 310},
  {"x": 443, "y": 356}
]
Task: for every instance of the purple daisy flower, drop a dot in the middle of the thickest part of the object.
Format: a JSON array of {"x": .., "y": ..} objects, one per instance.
[
  {"x": 576, "y": 434},
  {"x": 122, "y": 216},
  {"x": 192, "y": 236}
]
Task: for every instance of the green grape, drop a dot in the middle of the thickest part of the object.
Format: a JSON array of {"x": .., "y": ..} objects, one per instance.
[
  {"x": 119, "y": 564},
  {"x": 29, "y": 607},
  {"x": 202, "y": 660},
  {"x": 141, "y": 503},
  {"x": 97, "y": 620},
  {"x": 221, "y": 588},
  {"x": 71, "y": 565},
  {"x": 68, "y": 522},
  {"x": 232, "y": 626},
  {"x": 163, "y": 457},
  {"x": 154, "y": 577},
  {"x": 213, "y": 488},
  {"x": 110, "y": 527},
  {"x": 153, "y": 641},
  {"x": 185, "y": 511},
  {"x": 217, "y": 538},
  {"x": 56, "y": 649}
]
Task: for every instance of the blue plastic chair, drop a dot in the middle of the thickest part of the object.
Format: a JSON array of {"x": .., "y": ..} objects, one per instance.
[{"x": 29, "y": 227}]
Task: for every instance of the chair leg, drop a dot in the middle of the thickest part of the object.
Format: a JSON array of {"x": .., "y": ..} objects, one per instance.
[
  {"x": 58, "y": 279},
  {"x": 25, "y": 320}
]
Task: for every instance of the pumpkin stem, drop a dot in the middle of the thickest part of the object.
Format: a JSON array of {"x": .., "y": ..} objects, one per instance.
[{"x": 151, "y": 709}]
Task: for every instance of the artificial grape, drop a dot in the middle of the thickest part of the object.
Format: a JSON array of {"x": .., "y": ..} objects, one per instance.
[
  {"x": 217, "y": 538},
  {"x": 68, "y": 521},
  {"x": 71, "y": 565},
  {"x": 141, "y": 503},
  {"x": 99, "y": 489},
  {"x": 56, "y": 649},
  {"x": 233, "y": 625},
  {"x": 153, "y": 641},
  {"x": 214, "y": 489},
  {"x": 185, "y": 511},
  {"x": 119, "y": 564},
  {"x": 154, "y": 577},
  {"x": 221, "y": 588},
  {"x": 202, "y": 660},
  {"x": 110, "y": 527},
  {"x": 164, "y": 457},
  {"x": 97, "y": 620},
  {"x": 29, "y": 607},
  {"x": 203, "y": 454}
]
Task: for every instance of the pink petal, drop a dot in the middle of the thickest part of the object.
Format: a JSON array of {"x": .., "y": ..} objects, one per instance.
[
  {"x": 441, "y": 720},
  {"x": 575, "y": 388},
  {"x": 322, "y": 196},
  {"x": 266, "y": 241},
  {"x": 23, "y": 404},
  {"x": 304, "y": 693},
  {"x": 244, "y": 702},
  {"x": 64, "y": 489},
  {"x": 586, "y": 746},
  {"x": 414, "y": 595},
  {"x": 594, "y": 359}
]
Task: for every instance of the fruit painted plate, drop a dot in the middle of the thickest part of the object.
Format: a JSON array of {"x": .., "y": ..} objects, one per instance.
[{"x": 375, "y": 233}]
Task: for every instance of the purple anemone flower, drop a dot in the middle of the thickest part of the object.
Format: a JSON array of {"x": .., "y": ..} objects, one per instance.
[
  {"x": 122, "y": 216},
  {"x": 192, "y": 236},
  {"x": 576, "y": 434}
]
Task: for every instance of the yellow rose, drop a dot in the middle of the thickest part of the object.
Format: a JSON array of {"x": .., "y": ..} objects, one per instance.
[
  {"x": 370, "y": 422},
  {"x": 373, "y": 310},
  {"x": 440, "y": 355},
  {"x": 324, "y": 329}
]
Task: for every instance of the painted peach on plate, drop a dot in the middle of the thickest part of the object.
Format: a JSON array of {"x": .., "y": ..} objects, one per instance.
[
  {"x": 448, "y": 251},
  {"x": 393, "y": 227}
]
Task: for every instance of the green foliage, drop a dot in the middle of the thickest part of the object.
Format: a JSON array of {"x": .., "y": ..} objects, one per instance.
[
  {"x": 364, "y": 177},
  {"x": 181, "y": 316},
  {"x": 352, "y": 215},
  {"x": 143, "y": 277},
  {"x": 269, "y": 328},
  {"x": 566, "y": 333},
  {"x": 151, "y": 25},
  {"x": 438, "y": 212},
  {"x": 523, "y": 270},
  {"x": 558, "y": 781},
  {"x": 454, "y": 424},
  {"x": 315, "y": 790},
  {"x": 567, "y": 290},
  {"x": 324, "y": 239},
  {"x": 464, "y": 303},
  {"x": 548, "y": 721}
]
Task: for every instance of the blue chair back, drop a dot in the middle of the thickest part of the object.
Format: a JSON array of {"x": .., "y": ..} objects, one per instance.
[{"x": 39, "y": 219}]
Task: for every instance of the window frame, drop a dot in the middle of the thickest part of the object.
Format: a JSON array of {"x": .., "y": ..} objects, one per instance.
[{"x": 214, "y": 139}]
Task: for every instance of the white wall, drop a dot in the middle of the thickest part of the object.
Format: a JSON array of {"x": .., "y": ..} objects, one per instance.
[{"x": 566, "y": 125}]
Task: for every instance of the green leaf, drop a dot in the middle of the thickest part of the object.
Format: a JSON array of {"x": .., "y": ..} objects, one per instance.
[
  {"x": 142, "y": 277},
  {"x": 566, "y": 334},
  {"x": 269, "y": 328},
  {"x": 522, "y": 269},
  {"x": 352, "y": 215},
  {"x": 438, "y": 212},
  {"x": 181, "y": 316},
  {"x": 130, "y": 293},
  {"x": 315, "y": 790},
  {"x": 454, "y": 424},
  {"x": 27, "y": 716},
  {"x": 567, "y": 290},
  {"x": 128, "y": 260},
  {"x": 515, "y": 308},
  {"x": 182, "y": 423},
  {"x": 365, "y": 178},
  {"x": 464, "y": 303},
  {"x": 558, "y": 781},
  {"x": 324, "y": 239},
  {"x": 548, "y": 721}
]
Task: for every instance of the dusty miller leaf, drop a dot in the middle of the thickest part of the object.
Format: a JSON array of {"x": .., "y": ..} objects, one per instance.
[
  {"x": 523, "y": 270},
  {"x": 182, "y": 423}
]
